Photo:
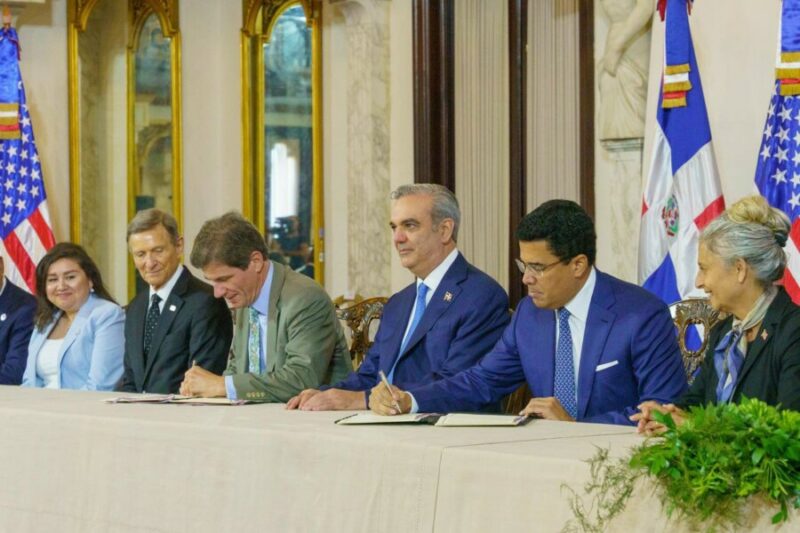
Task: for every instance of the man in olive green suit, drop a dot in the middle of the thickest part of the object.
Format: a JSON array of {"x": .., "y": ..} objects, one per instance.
[{"x": 286, "y": 335}]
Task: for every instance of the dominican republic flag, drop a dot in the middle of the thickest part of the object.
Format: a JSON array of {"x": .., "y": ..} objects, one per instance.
[
  {"x": 683, "y": 192},
  {"x": 778, "y": 168},
  {"x": 25, "y": 230}
]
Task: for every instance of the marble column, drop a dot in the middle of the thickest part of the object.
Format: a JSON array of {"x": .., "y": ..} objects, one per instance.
[
  {"x": 367, "y": 130},
  {"x": 619, "y": 199}
]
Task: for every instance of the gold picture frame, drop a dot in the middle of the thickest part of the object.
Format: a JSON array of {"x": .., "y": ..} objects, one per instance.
[{"x": 259, "y": 18}]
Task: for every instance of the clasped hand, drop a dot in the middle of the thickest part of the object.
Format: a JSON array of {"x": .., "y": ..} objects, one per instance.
[{"x": 647, "y": 424}]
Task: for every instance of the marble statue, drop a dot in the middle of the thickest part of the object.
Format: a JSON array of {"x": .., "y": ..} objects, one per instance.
[{"x": 623, "y": 69}]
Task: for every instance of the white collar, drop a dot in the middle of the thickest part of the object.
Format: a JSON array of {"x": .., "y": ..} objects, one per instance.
[
  {"x": 166, "y": 288},
  {"x": 579, "y": 305},
  {"x": 437, "y": 274}
]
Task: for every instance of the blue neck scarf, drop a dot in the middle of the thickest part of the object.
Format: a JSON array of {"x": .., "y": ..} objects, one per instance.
[{"x": 730, "y": 351}]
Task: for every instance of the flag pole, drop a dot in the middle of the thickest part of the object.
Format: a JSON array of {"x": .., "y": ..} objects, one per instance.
[{"x": 6, "y": 17}]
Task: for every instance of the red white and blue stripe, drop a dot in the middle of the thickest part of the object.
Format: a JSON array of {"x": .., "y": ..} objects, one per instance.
[{"x": 683, "y": 192}]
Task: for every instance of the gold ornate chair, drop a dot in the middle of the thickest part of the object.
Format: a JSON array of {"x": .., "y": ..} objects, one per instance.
[
  {"x": 693, "y": 311},
  {"x": 358, "y": 314}
]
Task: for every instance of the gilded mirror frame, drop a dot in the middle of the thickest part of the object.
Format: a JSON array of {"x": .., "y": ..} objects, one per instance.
[
  {"x": 138, "y": 11},
  {"x": 167, "y": 13},
  {"x": 259, "y": 18}
]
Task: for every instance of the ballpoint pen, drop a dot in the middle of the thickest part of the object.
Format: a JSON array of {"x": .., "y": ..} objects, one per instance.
[{"x": 389, "y": 388}]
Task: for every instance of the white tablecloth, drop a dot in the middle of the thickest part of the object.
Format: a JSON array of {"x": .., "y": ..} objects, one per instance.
[{"x": 75, "y": 464}]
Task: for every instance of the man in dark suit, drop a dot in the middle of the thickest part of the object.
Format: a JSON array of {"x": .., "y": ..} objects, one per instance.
[
  {"x": 16, "y": 323},
  {"x": 440, "y": 324},
  {"x": 591, "y": 347},
  {"x": 177, "y": 323}
]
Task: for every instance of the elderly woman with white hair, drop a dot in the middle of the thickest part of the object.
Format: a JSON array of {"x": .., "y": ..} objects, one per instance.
[{"x": 755, "y": 352}]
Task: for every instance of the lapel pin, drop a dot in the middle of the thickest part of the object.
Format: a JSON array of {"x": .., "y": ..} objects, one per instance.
[
  {"x": 3, "y": 317},
  {"x": 764, "y": 335},
  {"x": 448, "y": 297},
  {"x": 172, "y": 308}
]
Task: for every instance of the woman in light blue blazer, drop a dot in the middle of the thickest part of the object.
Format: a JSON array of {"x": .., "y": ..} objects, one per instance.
[{"x": 78, "y": 338}]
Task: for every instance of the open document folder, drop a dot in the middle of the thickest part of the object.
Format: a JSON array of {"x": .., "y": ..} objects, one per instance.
[
  {"x": 174, "y": 398},
  {"x": 451, "y": 420}
]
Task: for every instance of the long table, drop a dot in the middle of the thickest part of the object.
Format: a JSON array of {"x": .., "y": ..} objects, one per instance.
[{"x": 72, "y": 463}]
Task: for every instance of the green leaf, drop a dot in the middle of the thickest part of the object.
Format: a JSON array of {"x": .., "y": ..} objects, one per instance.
[
  {"x": 664, "y": 418},
  {"x": 758, "y": 453}
]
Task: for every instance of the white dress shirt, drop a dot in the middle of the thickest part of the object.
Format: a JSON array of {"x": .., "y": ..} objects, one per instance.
[{"x": 165, "y": 289}]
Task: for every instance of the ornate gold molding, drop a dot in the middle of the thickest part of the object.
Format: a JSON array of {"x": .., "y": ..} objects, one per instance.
[
  {"x": 78, "y": 12},
  {"x": 167, "y": 11},
  {"x": 267, "y": 11}
]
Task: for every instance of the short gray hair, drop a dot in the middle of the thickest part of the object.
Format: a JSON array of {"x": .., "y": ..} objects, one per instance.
[
  {"x": 753, "y": 231},
  {"x": 445, "y": 204},
  {"x": 150, "y": 218}
]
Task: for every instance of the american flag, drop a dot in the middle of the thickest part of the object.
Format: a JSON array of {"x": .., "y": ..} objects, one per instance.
[
  {"x": 25, "y": 227},
  {"x": 778, "y": 174}
]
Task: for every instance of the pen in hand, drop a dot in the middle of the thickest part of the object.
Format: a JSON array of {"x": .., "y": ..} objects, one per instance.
[{"x": 389, "y": 388}]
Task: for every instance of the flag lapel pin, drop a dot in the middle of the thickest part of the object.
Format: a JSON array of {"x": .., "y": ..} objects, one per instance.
[
  {"x": 448, "y": 297},
  {"x": 3, "y": 317},
  {"x": 764, "y": 335},
  {"x": 172, "y": 308}
]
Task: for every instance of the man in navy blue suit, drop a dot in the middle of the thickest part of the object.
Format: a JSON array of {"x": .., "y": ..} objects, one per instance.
[
  {"x": 16, "y": 324},
  {"x": 591, "y": 347},
  {"x": 437, "y": 326}
]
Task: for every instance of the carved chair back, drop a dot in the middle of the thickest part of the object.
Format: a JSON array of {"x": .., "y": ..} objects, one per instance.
[
  {"x": 357, "y": 315},
  {"x": 698, "y": 312}
]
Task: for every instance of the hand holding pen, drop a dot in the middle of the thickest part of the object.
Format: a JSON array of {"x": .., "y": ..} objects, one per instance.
[{"x": 385, "y": 399}]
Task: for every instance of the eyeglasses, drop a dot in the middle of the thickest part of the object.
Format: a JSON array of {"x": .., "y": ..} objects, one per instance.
[{"x": 536, "y": 269}]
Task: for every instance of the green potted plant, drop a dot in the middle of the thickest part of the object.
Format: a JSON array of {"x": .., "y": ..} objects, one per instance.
[{"x": 704, "y": 470}]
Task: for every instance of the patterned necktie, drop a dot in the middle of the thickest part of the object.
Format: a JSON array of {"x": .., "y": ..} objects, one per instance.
[
  {"x": 419, "y": 310},
  {"x": 254, "y": 343},
  {"x": 151, "y": 323},
  {"x": 564, "y": 380},
  {"x": 728, "y": 361}
]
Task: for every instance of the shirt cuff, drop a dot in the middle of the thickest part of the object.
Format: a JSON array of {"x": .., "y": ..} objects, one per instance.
[
  {"x": 414, "y": 406},
  {"x": 230, "y": 390}
]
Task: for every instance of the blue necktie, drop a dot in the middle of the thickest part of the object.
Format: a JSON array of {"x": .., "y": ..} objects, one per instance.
[
  {"x": 564, "y": 380},
  {"x": 419, "y": 310}
]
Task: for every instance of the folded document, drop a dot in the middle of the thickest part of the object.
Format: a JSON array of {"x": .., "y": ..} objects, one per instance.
[
  {"x": 174, "y": 398},
  {"x": 451, "y": 420}
]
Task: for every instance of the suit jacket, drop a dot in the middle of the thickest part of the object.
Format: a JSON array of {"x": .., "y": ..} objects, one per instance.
[
  {"x": 305, "y": 342},
  {"x": 771, "y": 369},
  {"x": 630, "y": 354},
  {"x": 454, "y": 333},
  {"x": 91, "y": 354},
  {"x": 193, "y": 327},
  {"x": 16, "y": 324}
]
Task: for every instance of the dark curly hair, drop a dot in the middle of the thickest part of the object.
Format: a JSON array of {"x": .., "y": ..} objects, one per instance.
[
  {"x": 567, "y": 228},
  {"x": 45, "y": 310}
]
